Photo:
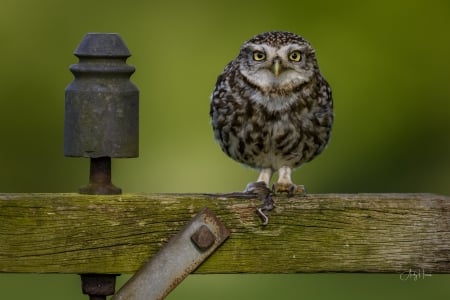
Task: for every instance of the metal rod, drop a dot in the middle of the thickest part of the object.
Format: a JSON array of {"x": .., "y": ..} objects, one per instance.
[{"x": 100, "y": 178}]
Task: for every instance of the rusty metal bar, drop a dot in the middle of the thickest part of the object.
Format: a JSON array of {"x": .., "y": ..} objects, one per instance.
[{"x": 177, "y": 259}]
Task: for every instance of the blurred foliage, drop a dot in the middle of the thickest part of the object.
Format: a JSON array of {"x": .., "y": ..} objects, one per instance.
[{"x": 387, "y": 61}]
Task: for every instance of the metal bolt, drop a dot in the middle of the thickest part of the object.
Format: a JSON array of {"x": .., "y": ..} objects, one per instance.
[
  {"x": 100, "y": 178},
  {"x": 203, "y": 238},
  {"x": 98, "y": 286}
]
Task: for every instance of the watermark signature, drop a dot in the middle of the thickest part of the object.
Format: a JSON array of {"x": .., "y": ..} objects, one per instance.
[{"x": 414, "y": 274}]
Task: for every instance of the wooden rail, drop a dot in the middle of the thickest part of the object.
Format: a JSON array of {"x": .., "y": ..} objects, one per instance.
[{"x": 73, "y": 233}]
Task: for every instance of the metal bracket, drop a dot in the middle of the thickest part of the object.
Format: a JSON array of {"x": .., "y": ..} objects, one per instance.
[{"x": 177, "y": 259}]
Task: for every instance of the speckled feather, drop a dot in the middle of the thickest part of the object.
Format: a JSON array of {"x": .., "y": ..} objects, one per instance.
[{"x": 261, "y": 125}]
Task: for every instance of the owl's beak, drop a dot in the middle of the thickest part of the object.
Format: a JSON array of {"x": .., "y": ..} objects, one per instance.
[{"x": 276, "y": 67}]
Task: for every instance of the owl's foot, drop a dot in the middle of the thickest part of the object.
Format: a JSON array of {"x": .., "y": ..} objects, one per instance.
[
  {"x": 289, "y": 188},
  {"x": 285, "y": 185},
  {"x": 258, "y": 187}
]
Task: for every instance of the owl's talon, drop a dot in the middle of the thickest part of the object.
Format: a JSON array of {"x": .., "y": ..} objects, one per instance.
[{"x": 289, "y": 188}]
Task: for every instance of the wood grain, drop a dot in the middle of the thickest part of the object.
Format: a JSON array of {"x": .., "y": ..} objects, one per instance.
[{"x": 73, "y": 233}]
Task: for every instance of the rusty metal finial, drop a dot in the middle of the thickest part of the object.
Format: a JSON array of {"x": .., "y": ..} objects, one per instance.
[{"x": 101, "y": 109}]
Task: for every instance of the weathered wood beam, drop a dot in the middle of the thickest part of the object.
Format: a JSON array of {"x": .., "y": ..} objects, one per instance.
[{"x": 73, "y": 233}]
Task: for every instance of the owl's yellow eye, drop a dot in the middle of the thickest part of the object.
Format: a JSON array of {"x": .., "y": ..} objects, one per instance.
[
  {"x": 258, "y": 55},
  {"x": 295, "y": 55}
]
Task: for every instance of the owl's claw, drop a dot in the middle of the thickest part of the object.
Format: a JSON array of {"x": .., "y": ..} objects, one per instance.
[
  {"x": 265, "y": 194},
  {"x": 289, "y": 188}
]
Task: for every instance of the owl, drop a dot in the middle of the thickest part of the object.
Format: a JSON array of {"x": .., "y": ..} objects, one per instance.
[{"x": 272, "y": 109}]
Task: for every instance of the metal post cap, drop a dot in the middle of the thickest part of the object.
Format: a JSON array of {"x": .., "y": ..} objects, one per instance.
[
  {"x": 101, "y": 104},
  {"x": 102, "y": 45}
]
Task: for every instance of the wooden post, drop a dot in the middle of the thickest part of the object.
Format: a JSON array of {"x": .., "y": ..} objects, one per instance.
[{"x": 73, "y": 233}]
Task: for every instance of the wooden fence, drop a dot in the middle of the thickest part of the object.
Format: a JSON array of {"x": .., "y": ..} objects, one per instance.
[{"x": 73, "y": 233}]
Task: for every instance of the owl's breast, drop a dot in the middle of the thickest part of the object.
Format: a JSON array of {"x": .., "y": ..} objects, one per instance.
[
  {"x": 266, "y": 141},
  {"x": 270, "y": 131}
]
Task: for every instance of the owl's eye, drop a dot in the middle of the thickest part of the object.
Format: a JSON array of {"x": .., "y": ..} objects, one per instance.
[
  {"x": 258, "y": 55},
  {"x": 295, "y": 55}
]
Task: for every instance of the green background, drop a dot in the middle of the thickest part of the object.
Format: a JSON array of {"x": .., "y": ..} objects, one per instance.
[{"x": 388, "y": 63}]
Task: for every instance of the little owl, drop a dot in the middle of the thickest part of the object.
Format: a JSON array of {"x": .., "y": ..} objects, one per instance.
[{"x": 272, "y": 109}]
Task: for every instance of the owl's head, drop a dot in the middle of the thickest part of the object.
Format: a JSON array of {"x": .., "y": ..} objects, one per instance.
[{"x": 277, "y": 61}]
